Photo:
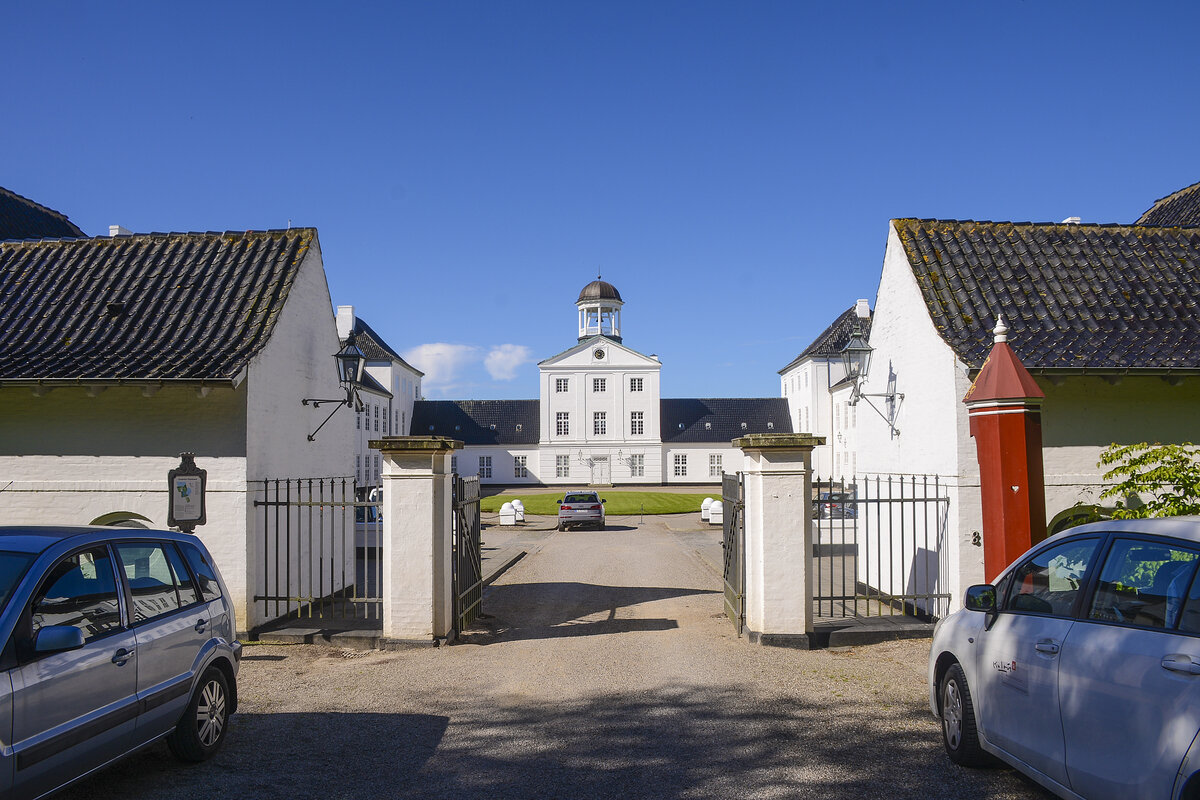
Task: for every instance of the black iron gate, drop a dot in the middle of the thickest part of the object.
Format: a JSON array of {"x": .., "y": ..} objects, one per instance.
[
  {"x": 879, "y": 546},
  {"x": 466, "y": 555},
  {"x": 319, "y": 551},
  {"x": 734, "y": 545}
]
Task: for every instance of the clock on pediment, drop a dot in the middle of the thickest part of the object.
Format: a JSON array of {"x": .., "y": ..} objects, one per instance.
[{"x": 598, "y": 353}]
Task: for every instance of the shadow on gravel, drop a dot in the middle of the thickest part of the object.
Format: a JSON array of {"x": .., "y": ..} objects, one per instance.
[
  {"x": 316, "y": 755},
  {"x": 689, "y": 741},
  {"x": 552, "y": 610}
]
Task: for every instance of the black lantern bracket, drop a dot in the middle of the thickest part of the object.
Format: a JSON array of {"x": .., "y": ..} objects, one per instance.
[
  {"x": 350, "y": 363},
  {"x": 856, "y": 358}
]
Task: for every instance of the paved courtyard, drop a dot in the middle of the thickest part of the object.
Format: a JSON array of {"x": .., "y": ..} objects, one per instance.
[{"x": 605, "y": 668}]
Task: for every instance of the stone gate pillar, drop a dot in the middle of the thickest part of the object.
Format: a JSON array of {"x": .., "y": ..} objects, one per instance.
[
  {"x": 1005, "y": 408},
  {"x": 777, "y": 475},
  {"x": 417, "y": 518}
]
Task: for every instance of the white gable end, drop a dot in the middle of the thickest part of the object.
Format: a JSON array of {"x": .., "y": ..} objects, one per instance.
[{"x": 599, "y": 352}]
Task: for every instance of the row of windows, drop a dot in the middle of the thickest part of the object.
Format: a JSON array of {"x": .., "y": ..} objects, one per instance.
[
  {"x": 562, "y": 465},
  {"x": 598, "y": 385},
  {"x": 398, "y": 419},
  {"x": 373, "y": 473},
  {"x": 637, "y": 423}
]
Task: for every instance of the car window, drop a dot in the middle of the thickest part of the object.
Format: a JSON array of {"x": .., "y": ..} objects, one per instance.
[
  {"x": 581, "y": 498},
  {"x": 1049, "y": 582},
  {"x": 80, "y": 590},
  {"x": 150, "y": 579},
  {"x": 205, "y": 574},
  {"x": 12, "y": 568},
  {"x": 188, "y": 594},
  {"x": 1143, "y": 583}
]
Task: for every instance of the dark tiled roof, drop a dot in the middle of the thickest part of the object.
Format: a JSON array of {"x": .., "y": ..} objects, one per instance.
[
  {"x": 831, "y": 341},
  {"x": 21, "y": 218},
  {"x": 375, "y": 386},
  {"x": 1093, "y": 297},
  {"x": 720, "y": 419},
  {"x": 159, "y": 306},
  {"x": 1181, "y": 208},
  {"x": 374, "y": 347},
  {"x": 472, "y": 421}
]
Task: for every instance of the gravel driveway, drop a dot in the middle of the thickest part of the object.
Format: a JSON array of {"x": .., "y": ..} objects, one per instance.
[{"x": 605, "y": 669}]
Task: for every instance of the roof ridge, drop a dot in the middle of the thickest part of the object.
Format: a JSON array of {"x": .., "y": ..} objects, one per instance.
[
  {"x": 163, "y": 235},
  {"x": 36, "y": 205}
]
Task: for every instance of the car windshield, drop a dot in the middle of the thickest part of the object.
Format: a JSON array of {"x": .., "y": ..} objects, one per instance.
[
  {"x": 580, "y": 498},
  {"x": 12, "y": 567}
]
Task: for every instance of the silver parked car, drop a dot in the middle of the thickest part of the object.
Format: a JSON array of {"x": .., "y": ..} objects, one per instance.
[
  {"x": 1080, "y": 666},
  {"x": 581, "y": 508},
  {"x": 113, "y": 639}
]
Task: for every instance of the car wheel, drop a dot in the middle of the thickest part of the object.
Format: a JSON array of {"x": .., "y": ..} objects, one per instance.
[
  {"x": 562, "y": 527},
  {"x": 201, "y": 731},
  {"x": 959, "y": 734}
]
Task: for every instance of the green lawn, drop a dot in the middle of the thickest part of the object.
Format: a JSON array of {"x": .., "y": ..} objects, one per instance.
[{"x": 618, "y": 503}]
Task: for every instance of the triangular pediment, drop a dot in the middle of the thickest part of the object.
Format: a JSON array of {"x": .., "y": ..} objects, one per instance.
[{"x": 612, "y": 354}]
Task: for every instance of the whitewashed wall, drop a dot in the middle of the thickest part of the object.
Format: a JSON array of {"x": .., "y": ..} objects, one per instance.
[
  {"x": 934, "y": 433},
  {"x": 698, "y": 455},
  {"x": 296, "y": 363},
  {"x": 466, "y": 462}
]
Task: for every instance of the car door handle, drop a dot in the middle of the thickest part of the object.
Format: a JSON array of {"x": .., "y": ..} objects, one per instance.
[
  {"x": 121, "y": 656},
  {"x": 201, "y": 624},
  {"x": 1046, "y": 646},
  {"x": 1181, "y": 664}
]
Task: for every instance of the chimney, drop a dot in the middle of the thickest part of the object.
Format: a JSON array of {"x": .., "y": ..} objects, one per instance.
[
  {"x": 345, "y": 322},
  {"x": 862, "y": 309},
  {"x": 117, "y": 230},
  {"x": 1071, "y": 221}
]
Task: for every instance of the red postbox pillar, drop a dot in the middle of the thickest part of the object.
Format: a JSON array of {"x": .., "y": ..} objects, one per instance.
[{"x": 1005, "y": 408}]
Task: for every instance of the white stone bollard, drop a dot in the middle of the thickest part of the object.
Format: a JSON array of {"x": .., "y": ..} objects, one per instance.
[
  {"x": 716, "y": 513},
  {"x": 508, "y": 515},
  {"x": 704, "y": 507},
  {"x": 519, "y": 509}
]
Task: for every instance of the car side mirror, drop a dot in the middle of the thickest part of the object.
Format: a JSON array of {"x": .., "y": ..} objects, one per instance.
[
  {"x": 559, "y": 502},
  {"x": 980, "y": 597},
  {"x": 57, "y": 639},
  {"x": 603, "y": 500}
]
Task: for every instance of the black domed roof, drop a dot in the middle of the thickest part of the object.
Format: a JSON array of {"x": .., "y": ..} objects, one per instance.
[{"x": 599, "y": 290}]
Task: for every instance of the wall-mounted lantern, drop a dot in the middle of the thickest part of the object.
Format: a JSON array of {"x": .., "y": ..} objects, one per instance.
[
  {"x": 856, "y": 358},
  {"x": 350, "y": 364}
]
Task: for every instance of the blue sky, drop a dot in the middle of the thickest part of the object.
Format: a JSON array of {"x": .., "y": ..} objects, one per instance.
[{"x": 730, "y": 167}]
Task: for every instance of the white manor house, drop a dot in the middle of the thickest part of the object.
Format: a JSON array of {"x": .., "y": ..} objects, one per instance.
[{"x": 599, "y": 418}]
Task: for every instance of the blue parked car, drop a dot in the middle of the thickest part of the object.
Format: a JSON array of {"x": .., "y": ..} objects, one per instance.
[{"x": 112, "y": 639}]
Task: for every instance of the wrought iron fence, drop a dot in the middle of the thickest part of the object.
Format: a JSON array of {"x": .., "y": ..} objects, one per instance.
[
  {"x": 320, "y": 551},
  {"x": 733, "y": 545},
  {"x": 879, "y": 546},
  {"x": 467, "y": 554}
]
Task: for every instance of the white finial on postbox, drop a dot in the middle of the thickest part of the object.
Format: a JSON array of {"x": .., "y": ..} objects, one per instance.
[{"x": 1001, "y": 330}]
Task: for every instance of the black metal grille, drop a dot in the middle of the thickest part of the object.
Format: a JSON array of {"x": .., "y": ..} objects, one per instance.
[
  {"x": 734, "y": 545},
  {"x": 879, "y": 546},
  {"x": 320, "y": 554},
  {"x": 467, "y": 556}
]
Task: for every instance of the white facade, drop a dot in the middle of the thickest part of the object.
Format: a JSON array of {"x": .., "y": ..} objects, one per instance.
[
  {"x": 384, "y": 413},
  {"x": 599, "y": 407}
]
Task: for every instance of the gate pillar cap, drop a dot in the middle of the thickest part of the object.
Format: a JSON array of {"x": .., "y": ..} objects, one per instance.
[
  {"x": 778, "y": 441},
  {"x": 415, "y": 444},
  {"x": 1003, "y": 376}
]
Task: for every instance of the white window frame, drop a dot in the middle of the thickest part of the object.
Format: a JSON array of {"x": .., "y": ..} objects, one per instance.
[
  {"x": 715, "y": 467},
  {"x": 485, "y": 466},
  {"x": 562, "y": 385},
  {"x": 562, "y": 423},
  {"x": 599, "y": 384},
  {"x": 637, "y": 423},
  {"x": 637, "y": 465},
  {"x": 680, "y": 465},
  {"x": 520, "y": 470},
  {"x": 635, "y": 384},
  {"x": 562, "y": 466},
  {"x": 599, "y": 423}
]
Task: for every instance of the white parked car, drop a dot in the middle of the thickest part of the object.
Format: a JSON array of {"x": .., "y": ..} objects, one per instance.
[{"x": 1080, "y": 666}]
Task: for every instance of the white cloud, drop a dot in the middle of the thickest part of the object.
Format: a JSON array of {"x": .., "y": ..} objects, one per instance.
[
  {"x": 503, "y": 360},
  {"x": 442, "y": 363}
]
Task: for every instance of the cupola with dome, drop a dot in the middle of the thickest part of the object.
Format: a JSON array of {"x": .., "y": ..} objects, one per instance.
[{"x": 599, "y": 307}]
